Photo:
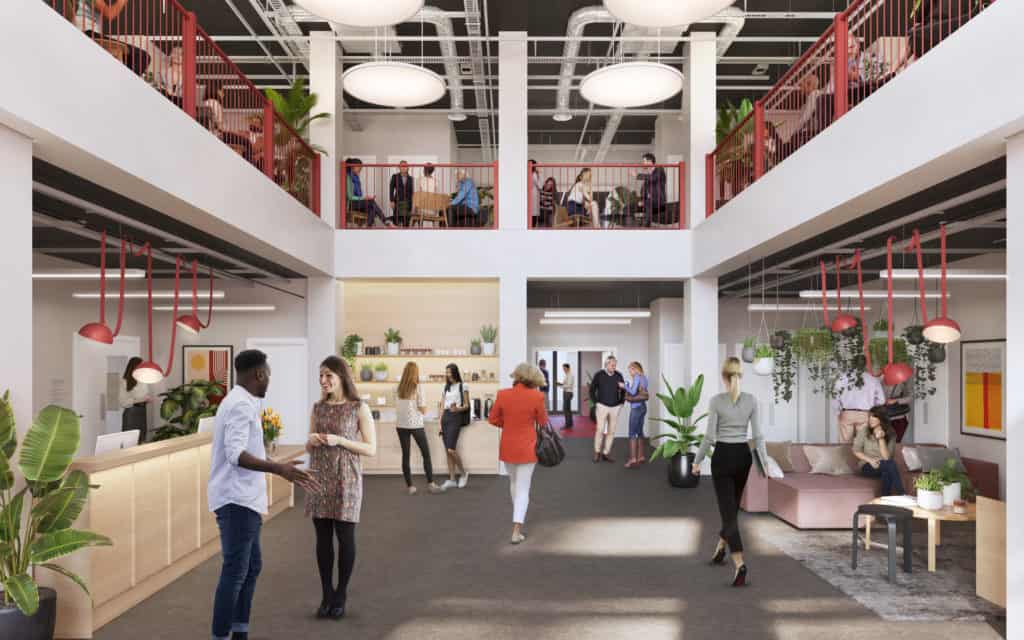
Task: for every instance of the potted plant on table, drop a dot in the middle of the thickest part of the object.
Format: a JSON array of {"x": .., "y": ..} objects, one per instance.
[
  {"x": 488, "y": 333},
  {"x": 366, "y": 373},
  {"x": 352, "y": 347},
  {"x": 929, "y": 490},
  {"x": 955, "y": 483},
  {"x": 35, "y": 522},
  {"x": 184, "y": 406},
  {"x": 394, "y": 340},
  {"x": 381, "y": 372},
  {"x": 474, "y": 347},
  {"x": 677, "y": 445},
  {"x": 764, "y": 360}
]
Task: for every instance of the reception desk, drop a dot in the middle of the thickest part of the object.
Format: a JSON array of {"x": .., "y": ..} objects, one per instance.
[
  {"x": 151, "y": 502},
  {"x": 478, "y": 448}
]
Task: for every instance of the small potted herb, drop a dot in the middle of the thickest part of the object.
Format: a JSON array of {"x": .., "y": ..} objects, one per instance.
[
  {"x": 764, "y": 360},
  {"x": 394, "y": 340},
  {"x": 381, "y": 372},
  {"x": 474, "y": 347},
  {"x": 352, "y": 347},
  {"x": 488, "y": 333},
  {"x": 929, "y": 490},
  {"x": 748, "y": 349},
  {"x": 955, "y": 483},
  {"x": 366, "y": 373}
]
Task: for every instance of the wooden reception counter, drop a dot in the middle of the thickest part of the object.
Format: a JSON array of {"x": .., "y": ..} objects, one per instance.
[{"x": 151, "y": 502}]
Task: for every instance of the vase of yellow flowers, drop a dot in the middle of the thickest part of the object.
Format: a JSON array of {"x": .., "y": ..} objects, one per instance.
[{"x": 271, "y": 428}]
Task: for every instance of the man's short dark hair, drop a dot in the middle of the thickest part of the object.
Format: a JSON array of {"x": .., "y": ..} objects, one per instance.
[
  {"x": 649, "y": 156},
  {"x": 565, "y": 365},
  {"x": 542, "y": 362},
  {"x": 249, "y": 360}
]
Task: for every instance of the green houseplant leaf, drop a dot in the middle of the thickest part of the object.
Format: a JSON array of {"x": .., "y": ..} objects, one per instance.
[
  {"x": 60, "y": 509},
  {"x": 10, "y": 517},
  {"x": 49, "y": 445},
  {"x": 58, "y": 544},
  {"x": 6, "y": 474},
  {"x": 23, "y": 591},
  {"x": 8, "y": 434},
  {"x": 74, "y": 577}
]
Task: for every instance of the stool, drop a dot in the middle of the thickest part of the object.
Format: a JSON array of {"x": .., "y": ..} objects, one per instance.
[{"x": 891, "y": 515}]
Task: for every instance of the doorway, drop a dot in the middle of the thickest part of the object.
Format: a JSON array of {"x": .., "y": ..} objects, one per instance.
[
  {"x": 291, "y": 384},
  {"x": 584, "y": 362}
]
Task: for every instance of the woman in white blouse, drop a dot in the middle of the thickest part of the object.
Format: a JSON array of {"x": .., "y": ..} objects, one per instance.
[
  {"x": 427, "y": 184},
  {"x": 133, "y": 398},
  {"x": 411, "y": 407}
]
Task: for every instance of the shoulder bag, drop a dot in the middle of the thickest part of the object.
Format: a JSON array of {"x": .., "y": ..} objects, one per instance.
[
  {"x": 549, "y": 449},
  {"x": 465, "y": 417}
]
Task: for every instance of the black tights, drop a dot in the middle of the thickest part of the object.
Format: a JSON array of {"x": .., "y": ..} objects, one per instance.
[
  {"x": 421, "y": 441},
  {"x": 730, "y": 467},
  {"x": 326, "y": 529}
]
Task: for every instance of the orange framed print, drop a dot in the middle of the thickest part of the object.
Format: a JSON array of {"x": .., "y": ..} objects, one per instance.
[
  {"x": 208, "y": 362},
  {"x": 983, "y": 388}
]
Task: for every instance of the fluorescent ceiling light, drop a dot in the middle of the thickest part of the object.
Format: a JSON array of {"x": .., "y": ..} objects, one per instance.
[
  {"x": 951, "y": 274},
  {"x": 585, "y": 321},
  {"x": 225, "y": 307},
  {"x": 791, "y": 307},
  {"x": 813, "y": 293},
  {"x": 393, "y": 84},
  {"x": 638, "y": 313},
  {"x": 631, "y": 84},
  {"x": 157, "y": 295},
  {"x": 363, "y": 13},
  {"x": 664, "y": 13},
  {"x": 87, "y": 274}
]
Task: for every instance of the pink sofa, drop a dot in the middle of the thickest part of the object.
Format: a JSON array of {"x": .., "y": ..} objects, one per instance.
[{"x": 817, "y": 501}]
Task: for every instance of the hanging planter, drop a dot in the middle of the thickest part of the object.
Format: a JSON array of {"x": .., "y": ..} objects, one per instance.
[
  {"x": 764, "y": 360},
  {"x": 880, "y": 330},
  {"x": 914, "y": 334},
  {"x": 936, "y": 352},
  {"x": 784, "y": 366},
  {"x": 749, "y": 350},
  {"x": 780, "y": 339},
  {"x": 879, "y": 348}
]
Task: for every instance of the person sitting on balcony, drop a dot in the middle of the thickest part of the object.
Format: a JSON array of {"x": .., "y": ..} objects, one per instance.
[
  {"x": 354, "y": 193},
  {"x": 212, "y": 116},
  {"x": 581, "y": 198},
  {"x": 88, "y": 15},
  {"x": 427, "y": 184},
  {"x": 534, "y": 192},
  {"x": 652, "y": 193},
  {"x": 465, "y": 206},
  {"x": 400, "y": 194},
  {"x": 546, "y": 207}
]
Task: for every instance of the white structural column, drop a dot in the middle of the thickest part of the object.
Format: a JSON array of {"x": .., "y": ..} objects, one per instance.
[
  {"x": 16, "y": 264},
  {"x": 512, "y": 325},
  {"x": 698, "y": 117},
  {"x": 513, "y": 187},
  {"x": 321, "y": 325},
  {"x": 325, "y": 81},
  {"x": 1014, "y": 374},
  {"x": 700, "y": 336}
]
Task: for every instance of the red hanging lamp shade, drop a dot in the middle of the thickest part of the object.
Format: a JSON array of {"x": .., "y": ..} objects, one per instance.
[
  {"x": 943, "y": 329},
  {"x": 148, "y": 372},
  {"x": 99, "y": 331},
  {"x": 893, "y": 372},
  {"x": 897, "y": 372},
  {"x": 843, "y": 321},
  {"x": 190, "y": 322}
]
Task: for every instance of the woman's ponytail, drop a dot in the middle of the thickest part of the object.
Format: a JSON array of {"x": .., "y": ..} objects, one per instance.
[{"x": 732, "y": 371}]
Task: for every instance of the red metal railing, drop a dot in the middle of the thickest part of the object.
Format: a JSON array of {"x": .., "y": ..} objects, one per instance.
[
  {"x": 866, "y": 46},
  {"x": 160, "y": 41},
  {"x": 606, "y": 196},
  {"x": 425, "y": 196}
]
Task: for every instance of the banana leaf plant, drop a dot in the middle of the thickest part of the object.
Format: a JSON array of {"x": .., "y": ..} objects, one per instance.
[
  {"x": 36, "y": 521},
  {"x": 295, "y": 107},
  {"x": 680, "y": 404}
]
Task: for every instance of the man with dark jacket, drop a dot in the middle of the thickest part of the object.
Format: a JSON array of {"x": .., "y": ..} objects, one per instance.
[
  {"x": 652, "y": 193},
  {"x": 607, "y": 392},
  {"x": 400, "y": 194}
]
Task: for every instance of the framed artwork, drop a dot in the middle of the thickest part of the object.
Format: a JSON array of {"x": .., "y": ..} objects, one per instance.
[
  {"x": 983, "y": 388},
  {"x": 208, "y": 362}
]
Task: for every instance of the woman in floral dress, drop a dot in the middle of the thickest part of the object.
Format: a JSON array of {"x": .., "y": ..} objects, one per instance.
[{"x": 341, "y": 429}]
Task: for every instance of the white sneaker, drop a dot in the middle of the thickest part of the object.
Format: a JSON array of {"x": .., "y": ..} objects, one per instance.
[
  {"x": 464, "y": 480},
  {"x": 448, "y": 484}
]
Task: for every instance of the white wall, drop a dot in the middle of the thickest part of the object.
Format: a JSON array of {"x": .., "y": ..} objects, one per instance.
[{"x": 393, "y": 135}]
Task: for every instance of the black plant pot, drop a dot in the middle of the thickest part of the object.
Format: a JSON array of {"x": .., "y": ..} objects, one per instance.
[
  {"x": 780, "y": 339},
  {"x": 15, "y": 624},
  {"x": 936, "y": 353},
  {"x": 915, "y": 334},
  {"x": 680, "y": 472}
]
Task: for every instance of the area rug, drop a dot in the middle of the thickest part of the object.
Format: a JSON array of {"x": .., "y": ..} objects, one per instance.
[{"x": 947, "y": 594}]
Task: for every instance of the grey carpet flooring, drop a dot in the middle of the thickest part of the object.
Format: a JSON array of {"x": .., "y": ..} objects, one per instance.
[{"x": 611, "y": 553}]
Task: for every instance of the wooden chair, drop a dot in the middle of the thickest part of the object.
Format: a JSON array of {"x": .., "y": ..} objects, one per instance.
[
  {"x": 429, "y": 207},
  {"x": 563, "y": 220},
  {"x": 115, "y": 48},
  {"x": 354, "y": 218}
]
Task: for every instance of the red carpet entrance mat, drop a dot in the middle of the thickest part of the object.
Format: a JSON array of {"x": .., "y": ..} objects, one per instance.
[{"x": 582, "y": 426}]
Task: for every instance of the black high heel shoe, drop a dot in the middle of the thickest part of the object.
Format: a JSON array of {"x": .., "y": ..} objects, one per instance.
[
  {"x": 740, "y": 579},
  {"x": 719, "y": 557},
  {"x": 324, "y": 611},
  {"x": 337, "y": 612}
]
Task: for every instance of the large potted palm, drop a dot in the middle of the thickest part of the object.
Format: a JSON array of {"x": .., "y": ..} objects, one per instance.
[
  {"x": 36, "y": 521},
  {"x": 295, "y": 107},
  {"x": 677, "y": 445}
]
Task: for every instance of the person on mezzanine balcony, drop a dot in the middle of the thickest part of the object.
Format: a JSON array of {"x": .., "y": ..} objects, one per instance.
[
  {"x": 464, "y": 209},
  {"x": 354, "y": 192}
]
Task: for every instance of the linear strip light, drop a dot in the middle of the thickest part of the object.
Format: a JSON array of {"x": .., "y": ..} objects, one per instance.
[
  {"x": 164, "y": 295},
  {"x": 585, "y": 321},
  {"x": 227, "y": 307},
  {"x": 810, "y": 293},
  {"x": 951, "y": 274},
  {"x": 87, "y": 274},
  {"x": 638, "y": 313},
  {"x": 789, "y": 307}
]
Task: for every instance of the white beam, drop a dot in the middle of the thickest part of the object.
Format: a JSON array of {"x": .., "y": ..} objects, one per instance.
[
  {"x": 325, "y": 80},
  {"x": 700, "y": 115}
]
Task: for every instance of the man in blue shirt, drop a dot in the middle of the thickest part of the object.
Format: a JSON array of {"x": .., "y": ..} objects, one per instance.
[{"x": 464, "y": 209}]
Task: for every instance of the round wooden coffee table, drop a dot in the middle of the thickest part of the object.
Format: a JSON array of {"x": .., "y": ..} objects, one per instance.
[{"x": 934, "y": 519}]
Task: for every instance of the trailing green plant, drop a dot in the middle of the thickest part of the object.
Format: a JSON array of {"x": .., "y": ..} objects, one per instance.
[
  {"x": 930, "y": 481},
  {"x": 680, "y": 404},
  {"x": 924, "y": 368},
  {"x": 812, "y": 345},
  {"x": 880, "y": 325},
  {"x": 392, "y": 336},
  {"x": 349, "y": 350},
  {"x": 764, "y": 351},
  {"x": 184, "y": 406},
  {"x": 36, "y": 522},
  {"x": 488, "y": 333},
  {"x": 784, "y": 370},
  {"x": 950, "y": 473},
  {"x": 848, "y": 362},
  {"x": 879, "y": 348}
]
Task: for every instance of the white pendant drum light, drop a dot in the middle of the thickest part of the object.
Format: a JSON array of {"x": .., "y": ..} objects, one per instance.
[
  {"x": 664, "y": 13},
  {"x": 363, "y": 13},
  {"x": 393, "y": 84},
  {"x": 631, "y": 84}
]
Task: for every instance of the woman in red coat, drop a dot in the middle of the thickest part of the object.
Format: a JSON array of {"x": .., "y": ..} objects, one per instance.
[{"x": 517, "y": 412}]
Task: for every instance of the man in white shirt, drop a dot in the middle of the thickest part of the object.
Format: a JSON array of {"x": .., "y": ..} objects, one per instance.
[
  {"x": 853, "y": 403},
  {"x": 238, "y": 492},
  {"x": 568, "y": 385}
]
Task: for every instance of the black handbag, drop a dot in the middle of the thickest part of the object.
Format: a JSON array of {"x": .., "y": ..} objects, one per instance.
[{"x": 549, "y": 449}]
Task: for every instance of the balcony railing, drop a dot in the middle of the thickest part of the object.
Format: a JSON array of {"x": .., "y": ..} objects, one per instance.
[
  {"x": 866, "y": 46},
  {"x": 606, "y": 196},
  {"x": 161, "y": 43},
  {"x": 419, "y": 196}
]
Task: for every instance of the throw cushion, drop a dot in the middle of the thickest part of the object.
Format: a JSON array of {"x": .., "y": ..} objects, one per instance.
[
  {"x": 773, "y": 469},
  {"x": 935, "y": 457},
  {"x": 828, "y": 460},
  {"x": 779, "y": 451},
  {"x": 911, "y": 457}
]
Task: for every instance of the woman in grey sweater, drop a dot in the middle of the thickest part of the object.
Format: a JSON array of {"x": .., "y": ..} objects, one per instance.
[{"x": 728, "y": 416}]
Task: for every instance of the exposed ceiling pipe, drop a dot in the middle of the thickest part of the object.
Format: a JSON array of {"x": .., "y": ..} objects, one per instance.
[
  {"x": 578, "y": 21},
  {"x": 476, "y": 54},
  {"x": 443, "y": 23}
]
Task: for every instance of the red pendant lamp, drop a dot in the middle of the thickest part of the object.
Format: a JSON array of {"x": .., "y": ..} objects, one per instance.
[
  {"x": 858, "y": 265},
  {"x": 149, "y": 372},
  {"x": 843, "y": 321},
  {"x": 190, "y": 322},
  {"x": 99, "y": 331},
  {"x": 894, "y": 372},
  {"x": 943, "y": 329}
]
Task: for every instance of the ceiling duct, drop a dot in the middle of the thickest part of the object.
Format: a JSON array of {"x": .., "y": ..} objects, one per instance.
[
  {"x": 476, "y": 55},
  {"x": 443, "y": 23}
]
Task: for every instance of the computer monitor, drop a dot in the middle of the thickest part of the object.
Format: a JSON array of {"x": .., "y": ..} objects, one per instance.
[
  {"x": 114, "y": 441},
  {"x": 206, "y": 425}
]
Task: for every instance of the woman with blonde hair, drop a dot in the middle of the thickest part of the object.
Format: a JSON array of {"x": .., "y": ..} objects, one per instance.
[
  {"x": 729, "y": 414},
  {"x": 517, "y": 412},
  {"x": 637, "y": 393},
  {"x": 410, "y": 408}
]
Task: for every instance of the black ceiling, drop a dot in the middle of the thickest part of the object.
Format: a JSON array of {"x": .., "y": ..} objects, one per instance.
[
  {"x": 541, "y": 18},
  {"x": 578, "y": 294}
]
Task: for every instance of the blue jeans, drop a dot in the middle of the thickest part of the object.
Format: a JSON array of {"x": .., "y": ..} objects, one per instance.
[
  {"x": 240, "y": 548},
  {"x": 892, "y": 484},
  {"x": 637, "y": 416}
]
